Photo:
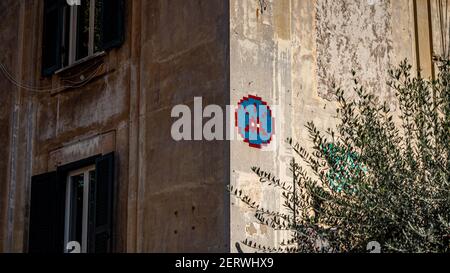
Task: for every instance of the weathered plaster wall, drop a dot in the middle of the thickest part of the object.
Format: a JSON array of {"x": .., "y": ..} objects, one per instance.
[
  {"x": 261, "y": 57},
  {"x": 352, "y": 35},
  {"x": 8, "y": 29},
  {"x": 289, "y": 52},
  {"x": 20, "y": 62},
  {"x": 181, "y": 201}
]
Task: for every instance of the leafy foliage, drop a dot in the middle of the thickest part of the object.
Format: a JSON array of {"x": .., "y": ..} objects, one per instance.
[{"x": 380, "y": 175}]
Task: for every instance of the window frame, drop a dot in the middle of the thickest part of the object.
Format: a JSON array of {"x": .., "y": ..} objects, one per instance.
[
  {"x": 59, "y": 24},
  {"x": 48, "y": 205},
  {"x": 69, "y": 203},
  {"x": 73, "y": 46}
]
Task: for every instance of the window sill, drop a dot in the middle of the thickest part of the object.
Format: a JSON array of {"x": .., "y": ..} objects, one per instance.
[
  {"x": 80, "y": 62},
  {"x": 79, "y": 73}
]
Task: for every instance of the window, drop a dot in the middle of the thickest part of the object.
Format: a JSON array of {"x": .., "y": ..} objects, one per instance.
[
  {"x": 73, "y": 33},
  {"x": 75, "y": 203},
  {"x": 77, "y": 206},
  {"x": 81, "y": 33}
]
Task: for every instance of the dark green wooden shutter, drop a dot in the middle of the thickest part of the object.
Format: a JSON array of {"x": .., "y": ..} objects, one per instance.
[
  {"x": 101, "y": 206},
  {"x": 113, "y": 12},
  {"x": 52, "y": 32},
  {"x": 43, "y": 214}
]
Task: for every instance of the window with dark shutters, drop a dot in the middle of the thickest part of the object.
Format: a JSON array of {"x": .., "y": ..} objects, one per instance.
[
  {"x": 101, "y": 206},
  {"x": 112, "y": 23},
  {"x": 51, "y": 42},
  {"x": 43, "y": 214},
  {"x": 62, "y": 26},
  {"x": 48, "y": 207}
]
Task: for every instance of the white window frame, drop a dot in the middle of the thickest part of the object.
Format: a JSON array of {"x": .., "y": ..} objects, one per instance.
[
  {"x": 72, "y": 47},
  {"x": 85, "y": 172}
]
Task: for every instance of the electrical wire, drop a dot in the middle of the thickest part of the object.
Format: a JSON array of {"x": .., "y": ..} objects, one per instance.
[{"x": 48, "y": 89}]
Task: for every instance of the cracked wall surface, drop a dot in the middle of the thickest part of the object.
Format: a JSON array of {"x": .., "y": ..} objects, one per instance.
[{"x": 353, "y": 35}]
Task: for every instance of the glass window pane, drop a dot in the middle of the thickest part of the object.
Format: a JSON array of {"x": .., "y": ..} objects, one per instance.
[
  {"x": 76, "y": 212},
  {"x": 91, "y": 178},
  {"x": 50, "y": 38},
  {"x": 98, "y": 26},
  {"x": 66, "y": 35},
  {"x": 83, "y": 29}
]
